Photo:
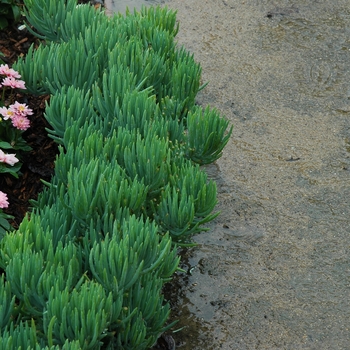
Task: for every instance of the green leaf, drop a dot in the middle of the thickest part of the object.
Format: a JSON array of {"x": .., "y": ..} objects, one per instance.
[
  {"x": 10, "y": 170},
  {"x": 5, "y": 145},
  {"x": 3, "y": 22}
]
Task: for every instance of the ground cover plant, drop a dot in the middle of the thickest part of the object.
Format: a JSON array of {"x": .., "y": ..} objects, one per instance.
[{"x": 86, "y": 269}]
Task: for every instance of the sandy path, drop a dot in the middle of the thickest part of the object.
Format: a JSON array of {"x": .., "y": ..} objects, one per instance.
[{"x": 273, "y": 273}]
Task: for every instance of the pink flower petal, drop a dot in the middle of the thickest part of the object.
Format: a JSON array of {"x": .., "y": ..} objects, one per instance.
[
  {"x": 8, "y": 158},
  {"x": 13, "y": 83},
  {"x": 20, "y": 122},
  {"x": 6, "y": 113},
  {"x": 21, "y": 109},
  {"x": 9, "y": 72},
  {"x": 3, "y": 200}
]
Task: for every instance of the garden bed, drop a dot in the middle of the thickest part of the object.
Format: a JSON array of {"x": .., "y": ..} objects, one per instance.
[
  {"x": 39, "y": 162},
  {"x": 127, "y": 189}
]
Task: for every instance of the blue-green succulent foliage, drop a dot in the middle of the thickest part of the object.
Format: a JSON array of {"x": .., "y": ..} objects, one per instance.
[{"x": 86, "y": 270}]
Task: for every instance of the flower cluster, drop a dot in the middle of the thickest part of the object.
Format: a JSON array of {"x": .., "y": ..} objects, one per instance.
[
  {"x": 16, "y": 112},
  {"x": 11, "y": 75},
  {"x": 9, "y": 159}
]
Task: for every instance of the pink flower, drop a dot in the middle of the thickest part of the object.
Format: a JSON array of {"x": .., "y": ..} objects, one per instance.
[
  {"x": 9, "y": 72},
  {"x": 20, "y": 122},
  {"x": 12, "y": 82},
  {"x": 3, "y": 200},
  {"x": 8, "y": 158},
  {"x": 7, "y": 113},
  {"x": 21, "y": 109}
]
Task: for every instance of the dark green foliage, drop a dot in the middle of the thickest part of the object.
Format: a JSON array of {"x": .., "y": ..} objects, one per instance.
[
  {"x": 47, "y": 17},
  {"x": 7, "y": 303},
  {"x": 86, "y": 271},
  {"x": 9, "y": 12},
  {"x": 23, "y": 336},
  {"x": 206, "y": 136},
  {"x": 82, "y": 314},
  {"x": 4, "y": 224},
  {"x": 64, "y": 108}
]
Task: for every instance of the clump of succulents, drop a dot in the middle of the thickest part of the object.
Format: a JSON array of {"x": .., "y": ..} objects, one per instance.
[{"x": 86, "y": 270}]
